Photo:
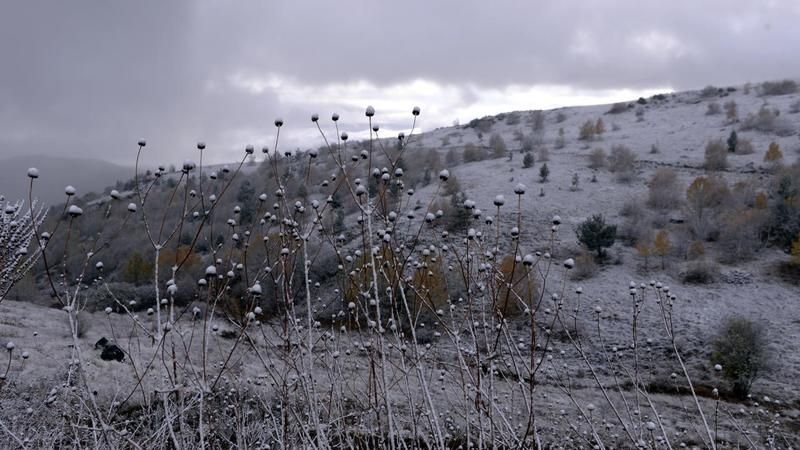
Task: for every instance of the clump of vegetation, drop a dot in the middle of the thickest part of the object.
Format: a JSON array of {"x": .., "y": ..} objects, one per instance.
[
  {"x": 544, "y": 173},
  {"x": 716, "y": 155},
  {"x": 663, "y": 191},
  {"x": 597, "y": 158},
  {"x": 528, "y": 160},
  {"x": 783, "y": 87},
  {"x": 596, "y": 235},
  {"x": 701, "y": 272},
  {"x": 713, "y": 109},
  {"x": 622, "y": 162},
  {"x": 618, "y": 108},
  {"x": 740, "y": 348}
]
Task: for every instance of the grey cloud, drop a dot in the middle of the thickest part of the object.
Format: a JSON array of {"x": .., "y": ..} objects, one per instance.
[{"x": 92, "y": 77}]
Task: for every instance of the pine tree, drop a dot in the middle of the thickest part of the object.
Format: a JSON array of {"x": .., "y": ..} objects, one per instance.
[
  {"x": 528, "y": 160},
  {"x": 596, "y": 235},
  {"x": 732, "y": 141},
  {"x": 544, "y": 172}
]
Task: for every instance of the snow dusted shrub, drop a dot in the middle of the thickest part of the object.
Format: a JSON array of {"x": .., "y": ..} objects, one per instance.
[
  {"x": 713, "y": 109},
  {"x": 597, "y": 158},
  {"x": 700, "y": 272},
  {"x": 744, "y": 146},
  {"x": 618, "y": 108},
  {"x": 783, "y": 87},
  {"x": 528, "y": 160},
  {"x": 740, "y": 347},
  {"x": 585, "y": 267},
  {"x": 663, "y": 190},
  {"x": 622, "y": 162},
  {"x": 716, "y": 155}
]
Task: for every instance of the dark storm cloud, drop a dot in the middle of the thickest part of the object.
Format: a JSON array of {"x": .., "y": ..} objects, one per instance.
[{"x": 90, "y": 78}]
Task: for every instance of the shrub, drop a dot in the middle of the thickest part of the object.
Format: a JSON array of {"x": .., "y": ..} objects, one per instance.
[
  {"x": 618, "y": 108},
  {"x": 765, "y": 120},
  {"x": 587, "y": 131},
  {"x": 622, "y": 163},
  {"x": 528, "y": 160},
  {"x": 744, "y": 147},
  {"x": 585, "y": 267},
  {"x": 599, "y": 127},
  {"x": 597, "y": 158},
  {"x": 713, "y": 109},
  {"x": 795, "y": 251},
  {"x": 543, "y": 154},
  {"x": 783, "y": 87},
  {"x": 731, "y": 112},
  {"x": 640, "y": 114},
  {"x": 701, "y": 272},
  {"x": 560, "y": 117},
  {"x": 544, "y": 172},
  {"x": 740, "y": 347},
  {"x": 716, "y": 155},
  {"x": 663, "y": 192},
  {"x": 708, "y": 91},
  {"x": 473, "y": 153},
  {"x": 774, "y": 155},
  {"x": 596, "y": 235},
  {"x": 537, "y": 121},
  {"x": 695, "y": 250},
  {"x": 498, "y": 146},
  {"x": 794, "y": 108},
  {"x": 561, "y": 139}
]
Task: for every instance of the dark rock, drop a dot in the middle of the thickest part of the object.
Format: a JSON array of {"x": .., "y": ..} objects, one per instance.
[
  {"x": 101, "y": 343},
  {"x": 112, "y": 353}
]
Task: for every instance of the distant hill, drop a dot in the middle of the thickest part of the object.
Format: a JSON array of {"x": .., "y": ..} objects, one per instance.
[{"x": 86, "y": 175}]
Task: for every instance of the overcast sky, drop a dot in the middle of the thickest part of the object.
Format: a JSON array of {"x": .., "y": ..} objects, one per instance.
[{"x": 89, "y": 78}]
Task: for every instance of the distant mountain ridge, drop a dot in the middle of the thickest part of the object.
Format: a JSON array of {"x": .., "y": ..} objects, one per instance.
[{"x": 86, "y": 175}]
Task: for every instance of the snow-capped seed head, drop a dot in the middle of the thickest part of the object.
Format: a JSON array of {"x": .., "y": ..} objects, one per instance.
[
  {"x": 132, "y": 207},
  {"x": 569, "y": 263},
  {"x": 114, "y": 194},
  {"x": 189, "y": 165},
  {"x": 717, "y": 367},
  {"x": 249, "y": 149},
  {"x": 10, "y": 346},
  {"x": 344, "y": 135},
  {"x": 142, "y": 142},
  {"x": 519, "y": 189},
  {"x": 99, "y": 265},
  {"x": 528, "y": 260},
  {"x": 598, "y": 309},
  {"x": 351, "y": 305},
  {"x": 370, "y": 111},
  {"x": 201, "y": 145},
  {"x": 579, "y": 290},
  {"x": 26, "y": 355},
  {"x": 334, "y": 117},
  {"x": 258, "y": 310},
  {"x": 444, "y": 175},
  {"x": 315, "y": 117},
  {"x": 74, "y": 211},
  {"x": 398, "y": 172},
  {"x": 499, "y": 200},
  {"x": 313, "y": 153},
  {"x": 651, "y": 426},
  {"x": 211, "y": 270},
  {"x": 108, "y": 310},
  {"x": 70, "y": 191},
  {"x": 415, "y": 111},
  {"x": 202, "y": 282},
  {"x": 33, "y": 172},
  {"x": 556, "y": 220},
  {"x": 150, "y": 311},
  {"x": 401, "y": 136},
  {"x": 279, "y": 122},
  {"x": 375, "y": 127},
  {"x": 255, "y": 289}
]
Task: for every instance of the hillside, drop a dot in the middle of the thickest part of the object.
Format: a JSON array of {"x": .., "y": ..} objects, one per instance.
[
  {"x": 88, "y": 175},
  {"x": 726, "y": 256}
]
